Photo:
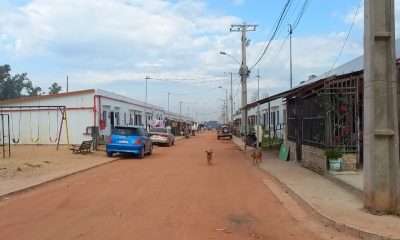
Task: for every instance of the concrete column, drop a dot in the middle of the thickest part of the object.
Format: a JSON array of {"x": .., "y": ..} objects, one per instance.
[{"x": 381, "y": 142}]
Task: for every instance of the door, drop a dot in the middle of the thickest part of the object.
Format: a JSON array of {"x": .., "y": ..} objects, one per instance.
[
  {"x": 299, "y": 129},
  {"x": 112, "y": 122}
]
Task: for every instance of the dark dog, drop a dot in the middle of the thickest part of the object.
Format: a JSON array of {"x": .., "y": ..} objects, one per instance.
[
  {"x": 209, "y": 157},
  {"x": 256, "y": 155}
]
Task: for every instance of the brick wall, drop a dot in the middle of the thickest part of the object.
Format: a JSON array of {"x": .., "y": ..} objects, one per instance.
[
  {"x": 314, "y": 158},
  {"x": 292, "y": 151},
  {"x": 350, "y": 162}
]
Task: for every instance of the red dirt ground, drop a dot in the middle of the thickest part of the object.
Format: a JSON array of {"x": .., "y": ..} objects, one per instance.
[{"x": 172, "y": 194}]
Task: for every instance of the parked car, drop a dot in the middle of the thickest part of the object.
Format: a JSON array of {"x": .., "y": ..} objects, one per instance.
[
  {"x": 162, "y": 136},
  {"x": 129, "y": 139},
  {"x": 224, "y": 131}
]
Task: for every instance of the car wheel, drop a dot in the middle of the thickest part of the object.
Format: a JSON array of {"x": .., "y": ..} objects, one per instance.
[
  {"x": 231, "y": 137},
  {"x": 151, "y": 150},
  {"x": 169, "y": 143},
  {"x": 141, "y": 154},
  {"x": 109, "y": 154},
  {"x": 173, "y": 143}
]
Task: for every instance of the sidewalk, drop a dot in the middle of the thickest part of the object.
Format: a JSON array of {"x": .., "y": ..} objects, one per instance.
[{"x": 334, "y": 205}]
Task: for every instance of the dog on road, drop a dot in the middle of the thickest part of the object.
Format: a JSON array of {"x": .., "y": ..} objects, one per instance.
[
  {"x": 256, "y": 155},
  {"x": 209, "y": 157}
]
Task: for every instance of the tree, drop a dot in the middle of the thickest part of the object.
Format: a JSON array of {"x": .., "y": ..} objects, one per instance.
[
  {"x": 55, "y": 88},
  {"x": 12, "y": 87}
]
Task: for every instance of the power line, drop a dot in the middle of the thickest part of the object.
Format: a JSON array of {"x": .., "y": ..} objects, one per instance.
[
  {"x": 270, "y": 34},
  {"x": 347, "y": 37},
  {"x": 277, "y": 27},
  {"x": 215, "y": 79},
  {"x": 295, "y": 24}
]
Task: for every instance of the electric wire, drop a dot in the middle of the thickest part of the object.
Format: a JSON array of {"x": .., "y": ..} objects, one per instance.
[
  {"x": 294, "y": 26},
  {"x": 347, "y": 37},
  {"x": 277, "y": 27},
  {"x": 271, "y": 32}
]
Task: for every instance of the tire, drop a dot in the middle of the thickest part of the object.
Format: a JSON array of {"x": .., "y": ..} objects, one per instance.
[
  {"x": 141, "y": 154},
  {"x": 109, "y": 154},
  {"x": 151, "y": 150},
  {"x": 173, "y": 143},
  {"x": 169, "y": 144}
]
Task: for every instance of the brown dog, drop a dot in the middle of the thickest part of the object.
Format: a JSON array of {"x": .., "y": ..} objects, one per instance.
[
  {"x": 209, "y": 157},
  {"x": 256, "y": 155}
]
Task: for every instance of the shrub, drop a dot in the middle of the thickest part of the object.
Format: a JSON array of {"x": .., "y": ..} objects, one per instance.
[{"x": 333, "y": 153}]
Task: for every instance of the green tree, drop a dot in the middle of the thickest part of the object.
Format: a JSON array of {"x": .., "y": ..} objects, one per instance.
[
  {"x": 55, "y": 88},
  {"x": 16, "y": 86}
]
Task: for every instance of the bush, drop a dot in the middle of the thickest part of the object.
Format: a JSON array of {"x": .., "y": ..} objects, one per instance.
[{"x": 333, "y": 153}]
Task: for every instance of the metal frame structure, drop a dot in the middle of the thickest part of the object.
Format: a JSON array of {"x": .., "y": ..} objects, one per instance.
[
  {"x": 5, "y": 136},
  {"x": 62, "y": 109}
]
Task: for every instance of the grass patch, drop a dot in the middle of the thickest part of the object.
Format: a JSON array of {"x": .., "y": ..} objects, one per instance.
[
  {"x": 271, "y": 143},
  {"x": 19, "y": 169},
  {"x": 32, "y": 165},
  {"x": 46, "y": 162}
]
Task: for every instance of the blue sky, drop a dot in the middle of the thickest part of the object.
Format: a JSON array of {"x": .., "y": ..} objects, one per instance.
[{"x": 114, "y": 44}]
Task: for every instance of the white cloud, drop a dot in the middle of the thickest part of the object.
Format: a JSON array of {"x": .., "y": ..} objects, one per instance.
[{"x": 238, "y": 2}]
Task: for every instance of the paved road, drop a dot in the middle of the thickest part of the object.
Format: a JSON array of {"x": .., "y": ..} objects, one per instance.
[{"x": 172, "y": 194}]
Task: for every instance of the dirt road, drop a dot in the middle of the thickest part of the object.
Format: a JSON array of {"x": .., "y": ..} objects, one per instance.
[{"x": 172, "y": 194}]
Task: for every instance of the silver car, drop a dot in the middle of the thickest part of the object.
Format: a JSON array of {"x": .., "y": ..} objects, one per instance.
[{"x": 162, "y": 136}]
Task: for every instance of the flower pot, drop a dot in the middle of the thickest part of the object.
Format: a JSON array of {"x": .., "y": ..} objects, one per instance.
[{"x": 336, "y": 165}]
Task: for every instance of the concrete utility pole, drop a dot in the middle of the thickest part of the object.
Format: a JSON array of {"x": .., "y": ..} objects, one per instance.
[
  {"x": 381, "y": 133},
  {"x": 290, "y": 41},
  {"x": 258, "y": 108},
  {"x": 168, "y": 108},
  {"x": 145, "y": 103},
  {"x": 231, "y": 100},
  {"x": 243, "y": 28}
]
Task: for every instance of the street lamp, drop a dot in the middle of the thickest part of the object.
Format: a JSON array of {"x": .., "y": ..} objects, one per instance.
[{"x": 224, "y": 53}]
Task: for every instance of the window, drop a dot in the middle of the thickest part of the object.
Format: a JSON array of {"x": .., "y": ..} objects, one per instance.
[
  {"x": 104, "y": 118},
  {"x": 125, "y": 119},
  {"x": 277, "y": 117},
  {"x": 117, "y": 118},
  {"x": 284, "y": 116},
  {"x": 130, "y": 119},
  {"x": 126, "y": 131}
]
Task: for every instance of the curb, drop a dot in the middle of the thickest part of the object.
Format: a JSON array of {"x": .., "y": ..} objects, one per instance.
[
  {"x": 357, "y": 192},
  {"x": 34, "y": 186},
  {"x": 362, "y": 234}
]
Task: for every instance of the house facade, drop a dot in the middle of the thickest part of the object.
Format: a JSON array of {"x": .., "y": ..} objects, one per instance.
[{"x": 37, "y": 120}]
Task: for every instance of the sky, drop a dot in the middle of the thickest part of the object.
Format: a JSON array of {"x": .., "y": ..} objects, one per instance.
[{"x": 115, "y": 44}]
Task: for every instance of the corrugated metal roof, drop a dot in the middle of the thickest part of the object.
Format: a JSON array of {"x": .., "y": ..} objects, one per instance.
[{"x": 354, "y": 65}]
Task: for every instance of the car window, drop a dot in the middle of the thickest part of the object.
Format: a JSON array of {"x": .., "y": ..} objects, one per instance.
[
  {"x": 126, "y": 131},
  {"x": 163, "y": 130}
]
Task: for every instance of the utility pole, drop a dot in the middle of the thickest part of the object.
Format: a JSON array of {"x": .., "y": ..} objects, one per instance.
[
  {"x": 168, "y": 108},
  {"x": 145, "y": 102},
  {"x": 180, "y": 109},
  {"x": 258, "y": 108},
  {"x": 290, "y": 41},
  {"x": 381, "y": 126},
  {"x": 226, "y": 106},
  {"x": 231, "y": 98},
  {"x": 67, "y": 84},
  {"x": 243, "y": 28}
]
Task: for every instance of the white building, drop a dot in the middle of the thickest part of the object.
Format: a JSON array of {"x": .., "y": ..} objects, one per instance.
[{"x": 84, "y": 109}]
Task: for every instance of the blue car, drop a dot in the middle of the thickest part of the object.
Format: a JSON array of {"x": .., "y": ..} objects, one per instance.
[{"x": 129, "y": 139}]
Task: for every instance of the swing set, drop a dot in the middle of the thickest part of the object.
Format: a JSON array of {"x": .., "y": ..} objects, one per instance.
[
  {"x": 5, "y": 142},
  {"x": 15, "y": 112}
]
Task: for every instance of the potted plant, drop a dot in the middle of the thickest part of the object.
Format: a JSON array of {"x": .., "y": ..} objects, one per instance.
[{"x": 335, "y": 159}]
